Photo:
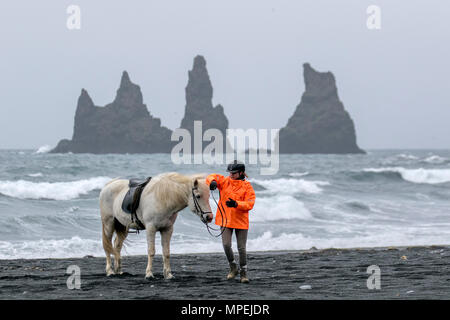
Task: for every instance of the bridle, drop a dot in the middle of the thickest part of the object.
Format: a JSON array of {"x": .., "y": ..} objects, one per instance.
[
  {"x": 198, "y": 208},
  {"x": 204, "y": 213}
]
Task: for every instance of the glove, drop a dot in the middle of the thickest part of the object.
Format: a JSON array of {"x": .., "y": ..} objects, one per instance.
[
  {"x": 231, "y": 203},
  {"x": 213, "y": 185}
]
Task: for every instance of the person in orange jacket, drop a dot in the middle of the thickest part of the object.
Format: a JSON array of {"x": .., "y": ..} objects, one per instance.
[{"x": 237, "y": 198}]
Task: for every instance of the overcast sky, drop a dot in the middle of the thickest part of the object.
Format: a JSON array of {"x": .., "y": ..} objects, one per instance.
[{"x": 394, "y": 82}]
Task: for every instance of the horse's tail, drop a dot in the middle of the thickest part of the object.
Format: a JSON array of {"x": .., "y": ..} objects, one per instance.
[
  {"x": 121, "y": 231},
  {"x": 107, "y": 241},
  {"x": 121, "y": 235}
]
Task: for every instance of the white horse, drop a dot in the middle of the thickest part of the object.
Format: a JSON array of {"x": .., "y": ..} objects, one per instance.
[{"x": 162, "y": 198}]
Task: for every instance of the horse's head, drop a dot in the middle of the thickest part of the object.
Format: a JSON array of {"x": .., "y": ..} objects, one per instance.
[{"x": 199, "y": 200}]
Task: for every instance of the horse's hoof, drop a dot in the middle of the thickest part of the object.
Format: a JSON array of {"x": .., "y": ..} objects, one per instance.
[
  {"x": 110, "y": 273},
  {"x": 149, "y": 276},
  {"x": 169, "y": 277}
]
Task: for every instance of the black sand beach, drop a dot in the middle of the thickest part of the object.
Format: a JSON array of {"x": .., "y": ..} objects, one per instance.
[{"x": 406, "y": 273}]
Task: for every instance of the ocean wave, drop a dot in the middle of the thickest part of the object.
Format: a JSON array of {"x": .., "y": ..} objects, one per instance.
[
  {"x": 62, "y": 248},
  {"x": 435, "y": 159},
  {"x": 73, "y": 209},
  {"x": 282, "y": 207},
  {"x": 298, "y": 241},
  {"x": 298, "y": 174},
  {"x": 34, "y": 175},
  {"x": 23, "y": 189},
  {"x": 421, "y": 175},
  {"x": 408, "y": 158},
  {"x": 290, "y": 186},
  {"x": 44, "y": 149},
  {"x": 269, "y": 240},
  {"x": 399, "y": 158},
  {"x": 404, "y": 156},
  {"x": 78, "y": 247},
  {"x": 278, "y": 207},
  {"x": 35, "y": 226},
  {"x": 358, "y": 205}
]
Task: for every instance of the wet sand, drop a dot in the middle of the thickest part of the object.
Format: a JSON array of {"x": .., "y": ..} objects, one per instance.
[{"x": 405, "y": 273}]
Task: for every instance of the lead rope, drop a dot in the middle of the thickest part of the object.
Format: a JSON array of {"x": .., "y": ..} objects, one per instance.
[
  {"x": 199, "y": 209},
  {"x": 222, "y": 226}
]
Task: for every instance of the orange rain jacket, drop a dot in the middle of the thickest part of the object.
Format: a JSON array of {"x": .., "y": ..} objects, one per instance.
[{"x": 239, "y": 190}]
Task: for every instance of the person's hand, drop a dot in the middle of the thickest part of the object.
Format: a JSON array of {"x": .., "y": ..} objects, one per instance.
[
  {"x": 213, "y": 185},
  {"x": 231, "y": 203}
]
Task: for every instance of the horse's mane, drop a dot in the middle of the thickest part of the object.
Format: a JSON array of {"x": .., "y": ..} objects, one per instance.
[{"x": 173, "y": 188}]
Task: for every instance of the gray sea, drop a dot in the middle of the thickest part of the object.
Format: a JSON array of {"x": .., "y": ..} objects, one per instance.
[{"x": 49, "y": 202}]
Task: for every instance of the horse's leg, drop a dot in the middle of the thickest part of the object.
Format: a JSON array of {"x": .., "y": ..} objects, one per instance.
[
  {"x": 107, "y": 234},
  {"x": 121, "y": 234},
  {"x": 166, "y": 235},
  {"x": 151, "y": 232}
]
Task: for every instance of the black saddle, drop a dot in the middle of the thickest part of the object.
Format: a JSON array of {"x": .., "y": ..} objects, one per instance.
[
  {"x": 136, "y": 183},
  {"x": 130, "y": 203}
]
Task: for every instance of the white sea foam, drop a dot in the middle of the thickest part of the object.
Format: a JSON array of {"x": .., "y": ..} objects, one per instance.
[
  {"x": 278, "y": 207},
  {"x": 282, "y": 207},
  {"x": 73, "y": 209},
  {"x": 421, "y": 175},
  {"x": 290, "y": 186},
  {"x": 37, "y": 174},
  {"x": 137, "y": 244},
  {"x": 64, "y": 248},
  {"x": 406, "y": 157},
  {"x": 77, "y": 247},
  {"x": 44, "y": 149},
  {"x": 431, "y": 159},
  {"x": 435, "y": 159},
  {"x": 392, "y": 160},
  {"x": 298, "y": 174},
  {"x": 297, "y": 241},
  {"x": 23, "y": 189}
]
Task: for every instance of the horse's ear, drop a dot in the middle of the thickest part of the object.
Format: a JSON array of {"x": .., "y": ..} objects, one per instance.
[{"x": 195, "y": 183}]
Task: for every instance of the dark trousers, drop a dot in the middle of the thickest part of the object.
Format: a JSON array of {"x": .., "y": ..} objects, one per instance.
[{"x": 241, "y": 237}]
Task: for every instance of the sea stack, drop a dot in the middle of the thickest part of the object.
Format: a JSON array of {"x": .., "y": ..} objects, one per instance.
[
  {"x": 123, "y": 126},
  {"x": 320, "y": 124},
  {"x": 199, "y": 107}
]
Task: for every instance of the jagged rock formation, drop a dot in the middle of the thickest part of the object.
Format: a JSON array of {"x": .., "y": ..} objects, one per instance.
[
  {"x": 320, "y": 123},
  {"x": 123, "y": 126},
  {"x": 199, "y": 105}
]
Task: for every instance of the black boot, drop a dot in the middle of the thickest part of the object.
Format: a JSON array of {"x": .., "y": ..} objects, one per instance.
[
  {"x": 233, "y": 271},
  {"x": 244, "y": 278}
]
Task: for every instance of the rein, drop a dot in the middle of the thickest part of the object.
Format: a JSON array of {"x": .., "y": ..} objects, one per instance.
[
  {"x": 203, "y": 213},
  {"x": 221, "y": 214}
]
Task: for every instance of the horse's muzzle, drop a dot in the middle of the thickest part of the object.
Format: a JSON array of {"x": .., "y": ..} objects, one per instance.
[{"x": 207, "y": 217}]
